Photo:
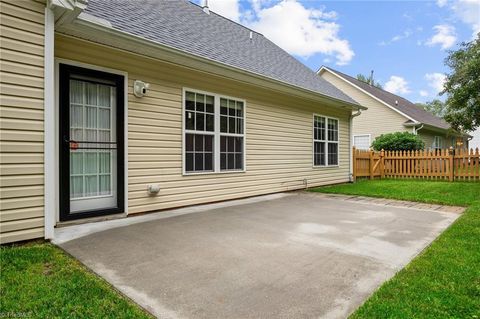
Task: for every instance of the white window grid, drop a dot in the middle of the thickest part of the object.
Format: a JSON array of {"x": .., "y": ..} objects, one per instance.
[
  {"x": 325, "y": 136},
  {"x": 216, "y": 133},
  {"x": 90, "y": 131},
  {"x": 437, "y": 142}
]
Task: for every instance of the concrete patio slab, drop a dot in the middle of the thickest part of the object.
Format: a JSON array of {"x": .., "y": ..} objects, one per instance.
[{"x": 295, "y": 255}]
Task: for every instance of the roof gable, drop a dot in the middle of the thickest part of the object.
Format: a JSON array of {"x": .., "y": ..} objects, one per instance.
[
  {"x": 185, "y": 26},
  {"x": 394, "y": 101}
]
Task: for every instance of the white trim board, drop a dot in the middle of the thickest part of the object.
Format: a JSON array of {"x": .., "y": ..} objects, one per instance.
[{"x": 50, "y": 128}]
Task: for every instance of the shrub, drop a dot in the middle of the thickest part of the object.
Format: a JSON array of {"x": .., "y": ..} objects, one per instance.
[{"x": 398, "y": 141}]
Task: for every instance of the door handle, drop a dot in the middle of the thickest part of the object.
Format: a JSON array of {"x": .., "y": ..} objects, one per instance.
[{"x": 72, "y": 144}]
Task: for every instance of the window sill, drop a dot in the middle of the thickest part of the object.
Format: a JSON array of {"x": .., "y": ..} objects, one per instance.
[
  {"x": 213, "y": 173},
  {"x": 325, "y": 166}
]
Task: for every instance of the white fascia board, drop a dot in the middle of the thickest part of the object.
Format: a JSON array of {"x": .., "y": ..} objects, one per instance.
[
  {"x": 323, "y": 69},
  {"x": 100, "y": 33}
]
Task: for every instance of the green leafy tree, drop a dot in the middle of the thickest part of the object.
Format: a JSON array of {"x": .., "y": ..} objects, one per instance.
[
  {"x": 398, "y": 141},
  {"x": 436, "y": 107},
  {"x": 368, "y": 80},
  {"x": 463, "y": 87}
]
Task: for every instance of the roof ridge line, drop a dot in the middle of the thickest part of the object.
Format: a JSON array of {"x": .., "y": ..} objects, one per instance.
[{"x": 217, "y": 14}]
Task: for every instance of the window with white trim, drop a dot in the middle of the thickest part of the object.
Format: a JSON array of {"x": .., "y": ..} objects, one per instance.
[
  {"x": 325, "y": 141},
  {"x": 231, "y": 134},
  {"x": 214, "y": 133},
  {"x": 437, "y": 142},
  {"x": 361, "y": 141}
]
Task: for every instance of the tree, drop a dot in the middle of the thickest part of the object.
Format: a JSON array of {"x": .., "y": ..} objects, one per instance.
[
  {"x": 369, "y": 80},
  {"x": 398, "y": 141},
  {"x": 463, "y": 86},
  {"x": 436, "y": 107}
]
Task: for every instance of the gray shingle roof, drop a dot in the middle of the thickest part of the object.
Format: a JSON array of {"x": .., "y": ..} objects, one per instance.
[
  {"x": 404, "y": 105},
  {"x": 184, "y": 26}
]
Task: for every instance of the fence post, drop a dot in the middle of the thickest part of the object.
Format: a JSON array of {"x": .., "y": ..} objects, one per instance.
[
  {"x": 451, "y": 154},
  {"x": 371, "y": 164},
  {"x": 354, "y": 163},
  {"x": 382, "y": 164}
]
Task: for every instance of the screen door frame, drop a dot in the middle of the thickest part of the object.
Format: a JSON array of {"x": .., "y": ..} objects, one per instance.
[{"x": 66, "y": 72}]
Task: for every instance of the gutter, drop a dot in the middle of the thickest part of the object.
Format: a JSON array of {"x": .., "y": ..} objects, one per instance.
[
  {"x": 350, "y": 177},
  {"x": 417, "y": 129},
  {"x": 86, "y": 21}
]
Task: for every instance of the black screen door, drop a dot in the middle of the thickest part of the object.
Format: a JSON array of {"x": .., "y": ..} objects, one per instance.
[{"x": 91, "y": 107}]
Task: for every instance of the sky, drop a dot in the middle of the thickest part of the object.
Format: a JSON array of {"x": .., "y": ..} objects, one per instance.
[{"x": 403, "y": 42}]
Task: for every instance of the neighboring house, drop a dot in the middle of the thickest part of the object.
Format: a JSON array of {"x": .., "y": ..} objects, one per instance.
[
  {"x": 388, "y": 113},
  {"x": 125, "y": 107},
  {"x": 475, "y": 141}
]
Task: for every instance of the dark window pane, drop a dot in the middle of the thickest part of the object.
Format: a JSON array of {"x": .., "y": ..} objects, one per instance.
[
  {"x": 231, "y": 144},
  {"x": 239, "y": 144},
  {"x": 239, "y": 126},
  {"x": 199, "y": 162},
  {"x": 332, "y": 130},
  {"x": 190, "y": 101},
  {"x": 200, "y": 121},
  {"x": 332, "y": 154},
  {"x": 199, "y": 143},
  {"x": 231, "y": 108},
  {"x": 318, "y": 159},
  {"x": 189, "y": 142},
  {"x": 223, "y": 161},
  {"x": 208, "y": 143},
  {"x": 208, "y": 162},
  {"x": 210, "y": 123},
  {"x": 223, "y": 144},
  {"x": 315, "y": 134},
  {"x": 319, "y": 153},
  {"x": 231, "y": 125},
  {"x": 230, "y": 161},
  {"x": 190, "y": 105},
  {"x": 223, "y": 106},
  {"x": 223, "y": 124},
  {"x": 200, "y": 102},
  {"x": 209, "y": 104},
  {"x": 190, "y": 120},
  {"x": 238, "y": 161},
  {"x": 240, "y": 109},
  {"x": 189, "y": 162}
]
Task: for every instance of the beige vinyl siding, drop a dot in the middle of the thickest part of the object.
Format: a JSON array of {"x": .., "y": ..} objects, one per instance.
[
  {"x": 378, "y": 119},
  {"x": 278, "y": 134},
  {"x": 21, "y": 120},
  {"x": 428, "y": 136}
]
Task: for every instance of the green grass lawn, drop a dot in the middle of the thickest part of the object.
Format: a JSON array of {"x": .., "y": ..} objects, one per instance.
[
  {"x": 38, "y": 280},
  {"x": 443, "y": 281}
]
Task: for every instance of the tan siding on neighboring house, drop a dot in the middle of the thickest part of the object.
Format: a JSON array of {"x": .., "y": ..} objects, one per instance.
[
  {"x": 428, "y": 136},
  {"x": 378, "y": 119},
  {"x": 21, "y": 120},
  {"x": 278, "y": 134}
]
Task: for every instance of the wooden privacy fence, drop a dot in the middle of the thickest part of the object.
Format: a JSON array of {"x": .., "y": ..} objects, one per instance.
[{"x": 448, "y": 164}]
